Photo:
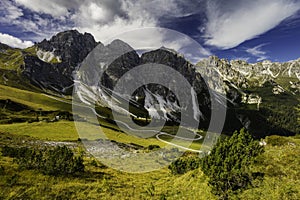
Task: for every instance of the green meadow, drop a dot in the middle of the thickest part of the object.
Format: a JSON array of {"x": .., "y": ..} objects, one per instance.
[{"x": 280, "y": 163}]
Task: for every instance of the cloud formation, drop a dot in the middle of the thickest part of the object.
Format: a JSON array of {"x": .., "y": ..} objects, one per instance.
[
  {"x": 129, "y": 19},
  {"x": 14, "y": 42},
  {"x": 228, "y": 23},
  {"x": 258, "y": 52},
  {"x": 232, "y": 22}
]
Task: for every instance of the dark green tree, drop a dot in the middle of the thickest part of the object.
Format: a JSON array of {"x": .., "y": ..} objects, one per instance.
[{"x": 228, "y": 164}]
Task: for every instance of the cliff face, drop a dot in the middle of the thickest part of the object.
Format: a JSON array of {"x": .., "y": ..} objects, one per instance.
[
  {"x": 114, "y": 60},
  {"x": 264, "y": 95},
  {"x": 71, "y": 46},
  {"x": 248, "y": 75},
  {"x": 55, "y": 60}
]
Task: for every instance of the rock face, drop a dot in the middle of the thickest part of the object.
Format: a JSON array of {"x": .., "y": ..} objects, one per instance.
[
  {"x": 46, "y": 75},
  {"x": 117, "y": 58},
  {"x": 71, "y": 47},
  {"x": 264, "y": 96},
  {"x": 246, "y": 75},
  {"x": 177, "y": 62}
]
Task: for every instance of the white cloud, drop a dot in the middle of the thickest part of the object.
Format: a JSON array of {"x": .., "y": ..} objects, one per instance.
[
  {"x": 14, "y": 42},
  {"x": 258, "y": 52},
  {"x": 135, "y": 24},
  {"x": 53, "y": 7},
  {"x": 152, "y": 38},
  {"x": 10, "y": 11},
  {"x": 232, "y": 22},
  {"x": 106, "y": 18}
]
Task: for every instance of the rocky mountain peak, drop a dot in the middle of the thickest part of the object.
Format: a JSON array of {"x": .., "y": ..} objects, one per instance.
[
  {"x": 56, "y": 59},
  {"x": 120, "y": 46},
  {"x": 71, "y": 46}
]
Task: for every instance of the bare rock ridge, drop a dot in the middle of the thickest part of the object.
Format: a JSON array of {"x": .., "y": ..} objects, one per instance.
[
  {"x": 66, "y": 51},
  {"x": 113, "y": 63}
]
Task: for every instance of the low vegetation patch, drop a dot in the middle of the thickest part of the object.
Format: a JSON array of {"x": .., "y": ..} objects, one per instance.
[
  {"x": 50, "y": 161},
  {"x": 184, "y": 164}
]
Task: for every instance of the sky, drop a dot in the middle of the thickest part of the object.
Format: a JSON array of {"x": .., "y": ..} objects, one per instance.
[{"x": 253, "y": 30}]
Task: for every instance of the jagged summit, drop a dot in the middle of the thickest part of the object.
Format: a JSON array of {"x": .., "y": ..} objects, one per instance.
[
  {"x": 71, "y": 46},
  {"x": 117, "y": 43}
]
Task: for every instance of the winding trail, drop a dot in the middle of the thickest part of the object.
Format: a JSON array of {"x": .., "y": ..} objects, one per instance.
[{"x": 157, "y": 134}]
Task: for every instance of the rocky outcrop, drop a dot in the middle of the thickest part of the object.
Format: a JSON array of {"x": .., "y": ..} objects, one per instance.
[
  {"x": 111, "y": 62},
  {"x": 4, "y": 46},
  {"x": 69, "y": 48},
  {"x": 47, "y": 76},
  {"x": 263, "y": 96},
  {"x": 246, "y": 75}
]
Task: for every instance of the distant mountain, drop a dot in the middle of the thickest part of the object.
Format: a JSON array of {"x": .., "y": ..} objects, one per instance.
[
  {"x": 264, "y": 97},
  {"x": 47, "y": 65},
  {"x": 284, "y": 76}
]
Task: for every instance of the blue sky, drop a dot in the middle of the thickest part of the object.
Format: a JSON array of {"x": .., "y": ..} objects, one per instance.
[{"x": 233, "y": 29}]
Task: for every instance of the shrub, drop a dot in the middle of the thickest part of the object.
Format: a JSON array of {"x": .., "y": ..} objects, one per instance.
[
  {"x": 52, "y": 161},
  {"x": 228, "y": 164},
  {"x": 184, "y": 164},
  {"x": 14, "y": 152},
  {"x": 2, "y": 171},
  {"x": 153, "y": 147},
  {"x": 60, "y": 161}
]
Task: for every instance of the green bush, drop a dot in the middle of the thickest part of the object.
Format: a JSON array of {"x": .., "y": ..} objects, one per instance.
[
  {"x": 153, "y": 147},
  {"x": 184, "y": 164},
  {"x": 51, "y": 161},
  {"x": 2, "y": 171},
  {"x": 228, "y": 164},
  {"x": 60, "y": 161},
  {"x": 14, "y": 152}
]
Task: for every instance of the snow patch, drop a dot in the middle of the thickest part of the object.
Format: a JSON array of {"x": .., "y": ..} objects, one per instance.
[
  {"x": 47, "y": 56},
  {"x": 196, "y": 110}
]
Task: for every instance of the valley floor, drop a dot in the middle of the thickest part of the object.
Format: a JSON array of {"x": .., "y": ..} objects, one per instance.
[{"x": 280, "y": 164}]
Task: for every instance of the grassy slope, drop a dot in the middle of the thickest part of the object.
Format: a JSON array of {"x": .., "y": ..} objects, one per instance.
[
  {"x": 32, "y": 99},
  {"x": 38, "y": 101},
  {"x": 280, "y": 164},
  {"x": 67, "y": 132},
  {"x": 98, "y": 182}
]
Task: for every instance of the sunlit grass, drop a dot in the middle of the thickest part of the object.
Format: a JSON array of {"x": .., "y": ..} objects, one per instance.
[{"x": 32, "y": 99}]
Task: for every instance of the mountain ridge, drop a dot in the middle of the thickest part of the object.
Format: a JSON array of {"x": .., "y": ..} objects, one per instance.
[{"x": 251, "y": 89}]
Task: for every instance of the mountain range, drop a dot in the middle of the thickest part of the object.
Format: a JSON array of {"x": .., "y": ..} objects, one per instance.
[{"x": 263, "y": 97}]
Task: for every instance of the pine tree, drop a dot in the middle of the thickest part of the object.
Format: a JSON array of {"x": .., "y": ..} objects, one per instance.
[{"x": 228, "y": 164}]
